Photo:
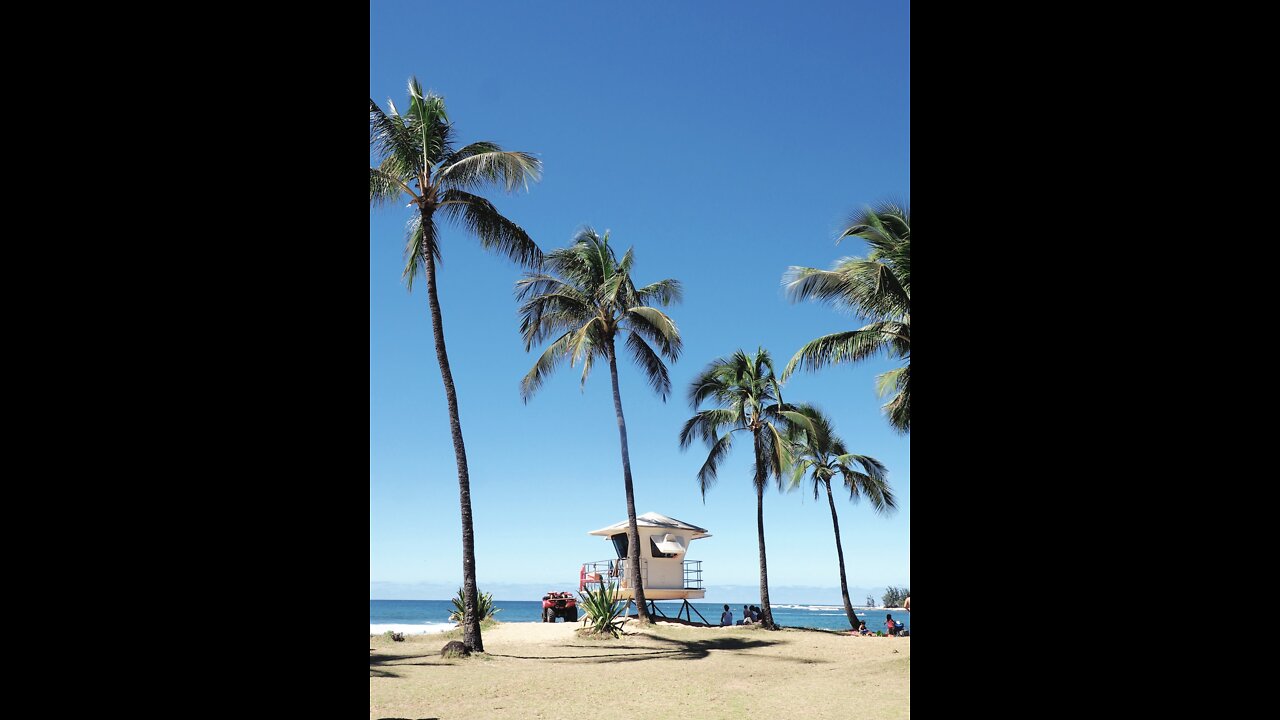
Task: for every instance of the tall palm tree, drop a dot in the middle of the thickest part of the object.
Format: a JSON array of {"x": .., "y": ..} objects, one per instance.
[
  {"x": 585, "y": 296},
  {"x": 747, "y": 397},
  {"x": 822, "y": 454},
  {"x": 877, "y": 288},
  {"x": 415, "y": 157}
]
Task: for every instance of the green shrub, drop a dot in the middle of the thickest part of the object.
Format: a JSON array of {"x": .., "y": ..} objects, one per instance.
[
  {"x": 485, "y": 607},
  {"x": 458, "y": 632},
  {"x": 603, "y": 609}
]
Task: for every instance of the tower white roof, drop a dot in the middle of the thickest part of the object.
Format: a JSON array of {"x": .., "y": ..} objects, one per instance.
[{"x": 653, "y": 519}]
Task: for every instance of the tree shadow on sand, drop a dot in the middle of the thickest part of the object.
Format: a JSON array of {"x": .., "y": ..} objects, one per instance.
[
  {"x": 669, "y": 648},
  {"x": 378, "y": 662},
  {"x": 820, "y": 631}
]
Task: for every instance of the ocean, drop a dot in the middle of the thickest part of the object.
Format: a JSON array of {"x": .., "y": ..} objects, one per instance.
[{"x": 432, "y": 616}]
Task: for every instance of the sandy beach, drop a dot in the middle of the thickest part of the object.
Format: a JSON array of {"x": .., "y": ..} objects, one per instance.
[{"x": 539, "y": 670}]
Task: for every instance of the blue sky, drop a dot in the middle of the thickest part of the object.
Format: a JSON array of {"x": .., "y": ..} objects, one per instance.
[{"x": 726, "y": 142}]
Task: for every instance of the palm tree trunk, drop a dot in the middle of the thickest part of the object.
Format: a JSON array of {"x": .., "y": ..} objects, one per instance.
[
  {"x": 844, "y": 584},
  {"x": 760, "y": 479},
  {"x": 633, "y": 533},
  {"x": 471, "y": 622}
]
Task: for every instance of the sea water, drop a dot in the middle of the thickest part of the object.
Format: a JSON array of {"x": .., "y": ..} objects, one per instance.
[{"x": 431, "y": 616}]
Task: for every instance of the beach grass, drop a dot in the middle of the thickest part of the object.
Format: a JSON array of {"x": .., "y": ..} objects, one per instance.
[{"x": 543, "y": 670}]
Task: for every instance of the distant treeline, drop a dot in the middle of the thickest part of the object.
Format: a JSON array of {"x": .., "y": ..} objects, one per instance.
[{"x": 894, "y": 597}]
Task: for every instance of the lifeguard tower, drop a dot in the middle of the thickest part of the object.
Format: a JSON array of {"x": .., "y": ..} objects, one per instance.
[{"x": 665, "y": 574}]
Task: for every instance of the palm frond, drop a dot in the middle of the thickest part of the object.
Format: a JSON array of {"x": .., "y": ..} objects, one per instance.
[
  {"x": 875, "y": 488},
  {"x": 545, "y": 366},
  {"x": 663, "y": 292},
  {"x": 841, "y": 347},
  {"x": 886, "y": 223},
  {"x": 552, "y": 312},
  {"x": 873, "y": 468},
  {"x": 899, "y": 407},
  {"x": 804, "y": 283},
  {"x": 429, "y": 122},
  {"x": 706, "y": 425},
  {"x": 481, "y": 164},
  {"x": 389, "y": 136},
  {"x": 385, "y": 189},
  {"x": 534, "y": 284},
  {"x": 588, "y": 359},
  {"x": 887, "y": 230},
  {"x": 548, "y": 305},
  {"x": 772, "y": 384},
  {"x": 798, "y": 469},
  {"x": 607, "y": 293},
  {"x": 889, "y": 381},
  {"x": 496, "y": 233},
  {"x": 780, "y": 457},
  {"x": 707, "y": 473},
  {"x": 794, "y": 421},
  {"x": 625, "y": 292},
  {"x": 819, "y": 435},
  {"x": 708, "y": 383},
  {"x": 866, "y": 288},
  {"x": 573, "y": 265},
  {"x": 658, "y": 328},
  {"x": 586, "y": 238},
  {"x": 468, "y": 151},
  {"x": 417, "y": 248},
  {"x": 650, "y": 364},
  {"x": 588, "y": 341}
]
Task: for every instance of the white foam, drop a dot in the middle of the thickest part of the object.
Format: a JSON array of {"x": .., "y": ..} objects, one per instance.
[{"x": 419, "y": 629}]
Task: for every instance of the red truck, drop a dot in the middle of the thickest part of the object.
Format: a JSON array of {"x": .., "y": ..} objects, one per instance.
[{"x": 559, "y": 604}]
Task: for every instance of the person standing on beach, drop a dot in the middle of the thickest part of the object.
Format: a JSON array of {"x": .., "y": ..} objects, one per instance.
[
  {"x": 907, "y": 603},
  {"x": 726, "y": 618},
  {"x": 890, "y": 624}
]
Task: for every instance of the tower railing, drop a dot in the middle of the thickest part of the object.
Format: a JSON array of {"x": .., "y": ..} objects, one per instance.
[
  {"x": 602, "y": 571},
  {"x": 692, "y": 574}
]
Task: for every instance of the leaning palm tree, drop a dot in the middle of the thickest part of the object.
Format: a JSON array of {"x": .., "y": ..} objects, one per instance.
[
  {"x": 877, "y": 288},
  {"x": 415, "y": 158},
  {"x": 585, "y": 297},
  {"x": 822, "y": 454},
  {"x": 747, "y": 396}
]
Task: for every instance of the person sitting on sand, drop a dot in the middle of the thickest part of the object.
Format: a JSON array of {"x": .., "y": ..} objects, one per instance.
[
  {"x": 756, "y": 613},
  {"x": 746, "y": 616},
  {"x": 890, "y": 624},
  {"x": 862, "y": 629},
  {"x": 726, "y": 618}
]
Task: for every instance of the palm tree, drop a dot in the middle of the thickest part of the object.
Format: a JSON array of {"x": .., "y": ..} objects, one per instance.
[
  {"x": 877, "y": 288},
  {"x": 822, "y": 454},
  {"x": 586, "y": 296},
  {"x": 747, "y": 396},
  {"x": 415, "y": 157}
]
